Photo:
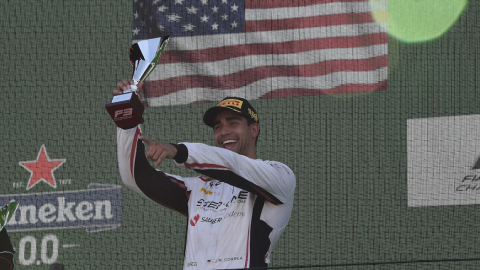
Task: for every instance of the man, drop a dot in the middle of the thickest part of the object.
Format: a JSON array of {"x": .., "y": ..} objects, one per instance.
[
  {"x": 6, "y": 251},
  {"x": 239, "y": 206}
]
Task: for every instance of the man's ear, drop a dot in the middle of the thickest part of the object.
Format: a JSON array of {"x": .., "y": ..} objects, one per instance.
[{"x": 254, "y": 129}]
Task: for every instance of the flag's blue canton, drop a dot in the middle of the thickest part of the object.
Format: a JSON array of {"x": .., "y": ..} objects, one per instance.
[{"x": 154, "y": 18}]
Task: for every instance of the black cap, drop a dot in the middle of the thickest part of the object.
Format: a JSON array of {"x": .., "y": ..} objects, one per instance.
[{"x": 236, "y": 104}]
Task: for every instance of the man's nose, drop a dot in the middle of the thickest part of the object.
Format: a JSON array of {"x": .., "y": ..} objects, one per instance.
[{"x": 224, "y": 130}]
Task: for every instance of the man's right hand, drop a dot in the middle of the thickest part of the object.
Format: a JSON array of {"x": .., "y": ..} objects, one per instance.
[{"x": 125, "y": 85}]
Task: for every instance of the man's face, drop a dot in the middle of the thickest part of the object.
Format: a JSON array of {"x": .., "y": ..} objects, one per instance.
[{"x": 232, "y": 132}]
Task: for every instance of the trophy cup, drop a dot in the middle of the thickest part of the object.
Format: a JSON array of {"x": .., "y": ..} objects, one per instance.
[{"x": 126, "y": 109}]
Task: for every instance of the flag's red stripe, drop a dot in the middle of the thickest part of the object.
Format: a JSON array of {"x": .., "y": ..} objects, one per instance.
[
  {"x": 226, "y": 52},
  {"x": 260, "y": 4},
  {"x": 308, "y": 22},
  {"x": 342, "y": 89},
  {"x": 245, "y": 77}
]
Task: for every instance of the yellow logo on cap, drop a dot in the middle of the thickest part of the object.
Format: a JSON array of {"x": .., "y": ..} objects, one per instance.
[
  {"x": 253, "y": 115},
  {"x": 231, "y": 102}
]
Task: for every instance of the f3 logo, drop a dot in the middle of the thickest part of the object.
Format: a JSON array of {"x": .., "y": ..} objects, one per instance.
[{"x": 125, "y": 113}]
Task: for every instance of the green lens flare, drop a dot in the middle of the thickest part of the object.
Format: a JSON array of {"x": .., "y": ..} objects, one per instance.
[{"x": 418, "y": 20}]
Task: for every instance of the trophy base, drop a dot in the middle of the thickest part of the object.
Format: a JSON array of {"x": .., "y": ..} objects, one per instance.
[{"x": 126, "y": 110}]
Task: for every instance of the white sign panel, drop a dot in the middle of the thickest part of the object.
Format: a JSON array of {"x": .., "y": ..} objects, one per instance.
[{"x": 443, "y": 160}]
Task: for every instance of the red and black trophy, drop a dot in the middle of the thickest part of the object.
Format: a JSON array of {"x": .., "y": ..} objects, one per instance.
[{"x": 126, "y": 109}]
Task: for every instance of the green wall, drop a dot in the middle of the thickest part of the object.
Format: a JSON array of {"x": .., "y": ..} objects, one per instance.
[{"x": 61, "y": 59}]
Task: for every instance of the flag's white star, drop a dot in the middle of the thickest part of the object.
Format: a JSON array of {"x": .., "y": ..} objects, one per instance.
[
  {"x": 135, "y": 15},
  {"x": 234, "y": 8},
  {"x": 156, "y": 2},
  {"x": 204, "y": 18},
  {"x": 162, "y": 8},
  {"x": 160, "y": 27},
  {"x": 188, "y": 27},
  {"x": 204, "y": 2},
  {"x": 224, "y": 17},
  {"x": 192, "y": 10},
  {"x": 136, "y": 31},
  {"x": 173, "y": 18},
  {"x": 179, "y": 2},
  {"x": 215, "y": 9},
  {"x": 215, "y": 26},
  {"x": 224, "y": 1},
  {"x": 234, "y": 24}
]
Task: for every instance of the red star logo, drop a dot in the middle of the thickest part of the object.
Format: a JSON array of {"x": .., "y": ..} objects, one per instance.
[{"x": 42, "y": 168}]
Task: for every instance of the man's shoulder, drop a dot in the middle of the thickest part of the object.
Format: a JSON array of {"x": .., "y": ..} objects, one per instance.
[{"x": 279, "y": 166}]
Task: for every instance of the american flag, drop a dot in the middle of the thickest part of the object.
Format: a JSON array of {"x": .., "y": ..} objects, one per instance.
[{"x": 263, "y": 48}]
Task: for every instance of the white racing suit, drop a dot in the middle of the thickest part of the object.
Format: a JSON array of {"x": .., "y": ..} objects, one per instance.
[{"x": 236, "y": 210}]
